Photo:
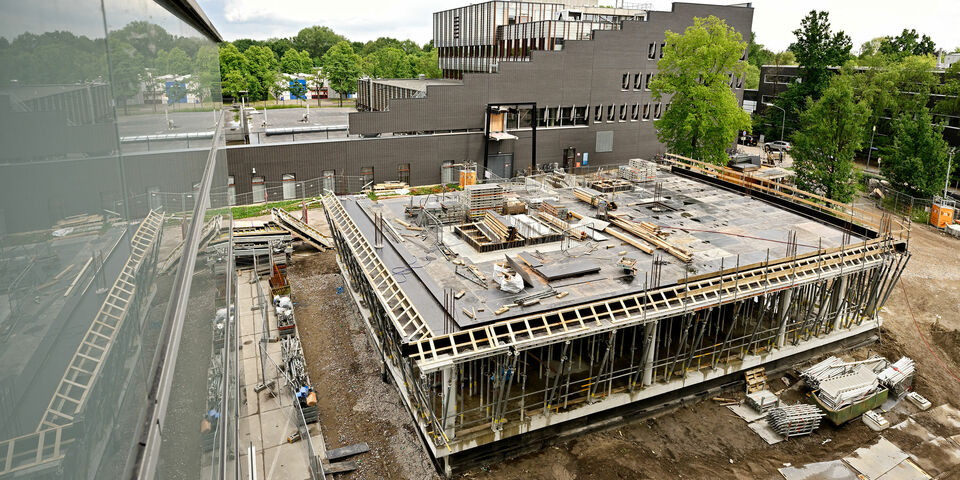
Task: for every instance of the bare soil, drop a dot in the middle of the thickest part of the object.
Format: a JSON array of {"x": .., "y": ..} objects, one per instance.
[{"x": 705, "y": 440}]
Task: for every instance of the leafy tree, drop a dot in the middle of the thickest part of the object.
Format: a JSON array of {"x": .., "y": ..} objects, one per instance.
[
  {"x": 909, "y": 42},
  {"x": 148, "y": 39},
  {"x": 752, "y": 80},
  {"x": 315, "y": 82},
  {"x": 232, "y": 60},
  {"x": 831, "y": 132},
  {"x": 316, "y": 40},
  {"x": 292, "y": 62},
  {"x": 917, "y": 161},
  {"x": 389, "y": 62},
  {"x": 234, "y": 83},
  {"x": 758, "y": 55},
  {"x": 297, "y": 90},
  {"x": 262, "y": 69},
  {"x": 871, "y": 47},
  {"x": 279, "y": 46},
  {"x": 817, "y": 49},
  {"x": 208, "y": 73},
  {"x": 128, "y": 67},
  {"x": 342, "y": 67},
  {"x": 243, "y": 44},
  {"x": 704, "y": 116},
  {"x": 174, "y": 62},
  {"x": 277, "y": 89},
  {"x": 427, "y": 63}
]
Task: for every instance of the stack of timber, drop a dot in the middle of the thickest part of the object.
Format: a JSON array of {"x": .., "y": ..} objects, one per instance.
[
  {"x": 501, "y": 227},
  {"x": 577, "y": 232},
  {"x": 614, "y": 185},
  {"x": 794, "y": 420},
  {"x": 78, "y": 225},
  {"x": 594, "y": 198},
  {"x": 480, "y": 198},
  {"x": 390, "y": 189},
  {"x": 650, "y": 234}
]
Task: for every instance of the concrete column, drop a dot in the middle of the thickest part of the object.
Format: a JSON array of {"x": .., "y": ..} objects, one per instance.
[
  {"x": 785, "y": 299},
  {"x": 449, "y": 400},
  {"x": 649, "y": 352},
  {"x": 838, "y": 302}
]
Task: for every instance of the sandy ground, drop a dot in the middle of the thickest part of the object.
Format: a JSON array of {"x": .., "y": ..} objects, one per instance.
[{"x": 703, "y": 440}]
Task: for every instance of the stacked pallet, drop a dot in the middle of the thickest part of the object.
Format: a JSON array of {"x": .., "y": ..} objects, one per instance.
[
  {"x": 480, "y": 198},
  {"x": 794, "y": 420},
  {"x": 577, "y": 232},
  {"x": 638, "y": 171},
  {"x": 558, "y": 211},
  {"x": 650, "y": 234}
]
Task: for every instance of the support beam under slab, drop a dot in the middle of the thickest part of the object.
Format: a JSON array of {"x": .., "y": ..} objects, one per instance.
[
  {"x": 785, "y": 308},
  {"x": 449, "y": 400},
  {"x": 649, "y": 352}
]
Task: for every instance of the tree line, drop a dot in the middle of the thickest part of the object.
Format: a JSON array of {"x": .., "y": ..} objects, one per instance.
[
  {"x": 255, "y": 65},
  {"x": 838, "y": 104}
]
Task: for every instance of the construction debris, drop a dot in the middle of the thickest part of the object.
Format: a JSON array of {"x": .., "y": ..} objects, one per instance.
[
  {"x": 762, "y": 401},
  {"x": 898, "y": 377},
  {"x": 843, "y": 390},
  {"x": 756, "y": 379}
]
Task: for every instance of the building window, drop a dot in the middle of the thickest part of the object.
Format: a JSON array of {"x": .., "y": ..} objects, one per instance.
[
  {"x": 580, "y": 115},
  {"x": 611, "y": 113},
  {"x": 637, "y": 81},
  {"x": 647, "y": 82},
  {"x": 566, "y": 116},
  {"x": 740, "y": 81},
  {"x": 598, "y": 113},
  {"x": 657, "y": 110},
  {"x": 541, "y": 117},
  {"x": 366, "y": 177},
  {"x": 552, "y": 117},
  {"x": 403, "y": 173},
  {"x": 289, "y": 182},
  {"x": 662, "y": 46},
  {"x": 623, "y": 113},
  {"x": 456, "y": 27},
  {"x": 652, "y": 51},
  {"x": 259, "y": 190},
  {"x": 625, "y": 82},
  {"x": 635, "y": 112},
  {"x": 646, "y": 111}
]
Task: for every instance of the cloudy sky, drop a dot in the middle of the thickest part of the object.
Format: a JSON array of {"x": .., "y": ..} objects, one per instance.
[{"x": 773, "y": 22}]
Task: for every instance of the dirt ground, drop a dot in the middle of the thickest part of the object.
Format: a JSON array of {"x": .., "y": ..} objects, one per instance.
[{"x": 704, "y": 440}]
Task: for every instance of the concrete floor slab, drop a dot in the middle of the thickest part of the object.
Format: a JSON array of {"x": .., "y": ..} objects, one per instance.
[
  {"x": 905, "y": 470},
  {"x": 285, "y": 461},
  {"x": 876, "y": 460},
  {"x": 937, "y": 456},
  {"x": 834, "y": 470}
]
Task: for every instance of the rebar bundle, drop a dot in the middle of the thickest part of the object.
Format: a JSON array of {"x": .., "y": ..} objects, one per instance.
[{"x": 794, "y": 420}]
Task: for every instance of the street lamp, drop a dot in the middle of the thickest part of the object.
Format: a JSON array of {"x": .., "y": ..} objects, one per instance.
[
  {"x": 782, "y": 122},
  {"x": 870, "y": 151}
]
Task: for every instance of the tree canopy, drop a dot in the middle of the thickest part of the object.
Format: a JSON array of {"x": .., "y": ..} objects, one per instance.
[
  {"x": 342, "y": 68},
  {"x": 831, "y": 133},
  {"x": 704, "y": 117},
  {"x": 917, "y": 160}
]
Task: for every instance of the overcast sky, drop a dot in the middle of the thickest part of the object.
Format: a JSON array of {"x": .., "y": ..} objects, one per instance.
[{"x": 773, "y": 20}]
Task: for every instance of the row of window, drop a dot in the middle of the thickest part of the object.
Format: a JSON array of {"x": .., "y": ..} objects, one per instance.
[
  {"x": 636, "y": 111},
  {"x": 781, "y": 79},
  {"x": 640, "y": 81}
]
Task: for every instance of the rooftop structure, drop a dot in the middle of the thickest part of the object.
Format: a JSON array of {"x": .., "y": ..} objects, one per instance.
[{"x": 580, "y": 296}]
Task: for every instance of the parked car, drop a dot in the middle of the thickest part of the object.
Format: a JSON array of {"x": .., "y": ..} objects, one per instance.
[{"x": 779, "y": 146}]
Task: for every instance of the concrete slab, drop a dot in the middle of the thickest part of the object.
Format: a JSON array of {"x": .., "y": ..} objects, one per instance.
[
  {"x": 285, "y": 461},
  {"x": 762, "y": 428},
  {"x": 876, "y": 460},
  {"x": 905, "y": 470},
  {"x": 944, "y": 415},
  {"x": 834, "y": 470},
  {"x": 914, "y": 429}
]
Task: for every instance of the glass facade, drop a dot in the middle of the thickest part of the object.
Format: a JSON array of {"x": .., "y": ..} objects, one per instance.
[{"x": 114, "y": 282}]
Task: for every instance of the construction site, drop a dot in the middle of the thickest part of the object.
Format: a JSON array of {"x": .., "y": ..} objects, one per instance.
[{"x": 506, "y": 317}]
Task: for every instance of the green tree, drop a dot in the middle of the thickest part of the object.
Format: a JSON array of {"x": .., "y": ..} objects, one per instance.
[
  {"x": 207, "y": 66},
  {"x": 388, "y": 62},
  {"x": 292, "y": 62},
  {"x": 917, "y": 161},
  {"x": 279, "y": 45},
  {"x": 243, "y": 44},
  {"x": 128, "y": 69},
  {"x": 909, "y": 42},
  {"x": 316, "y": 81},
  {"x": 262, "y": 67},
  {"x": 174, "y": 62},
  {"x": 427, "y": 63},
  {"x": 232, "y": 60},
  {"x": 234, "y": 83},
  {"x": 831, "y": 132},
  {"x": 758, "y": 55},
  {"x": 342, "y": 67},
  {"x": 316, "y": 40},
  {"x": 817, "y": 48},
  {"x": 752, "y": 80},
  {"x": 704, "y": 116},
  {"x": 277, "y": 89}
]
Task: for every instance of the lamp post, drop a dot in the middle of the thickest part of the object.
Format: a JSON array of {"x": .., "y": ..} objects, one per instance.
[
  {"x": 783, "y": 122},
  {"x": 870, "y": 151}
]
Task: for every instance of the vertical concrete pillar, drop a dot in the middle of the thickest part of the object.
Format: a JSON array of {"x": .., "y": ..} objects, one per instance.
[
  {"x": 649, "y": 352},
  {"x": 449, "y": 400},
  {"x": 785, "y": 299}
]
